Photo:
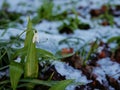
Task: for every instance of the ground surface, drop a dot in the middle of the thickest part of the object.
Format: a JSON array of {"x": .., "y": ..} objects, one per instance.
[{"x": 99, "y": 21}]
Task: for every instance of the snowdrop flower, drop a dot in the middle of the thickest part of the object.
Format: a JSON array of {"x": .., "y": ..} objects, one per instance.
[{"x": 36, "y": 37}]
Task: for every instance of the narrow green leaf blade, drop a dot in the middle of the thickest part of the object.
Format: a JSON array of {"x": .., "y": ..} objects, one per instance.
[
  {"x": 61, "y": 85},
  {"x": 60, "y": 56},
  {"x": 31, "y": 64},
  {"x": 39, "y": 82},
  {"x": 44, "y": 53},
  {"x": 16, "y": 71},
  {"x": 116, "y": 38},
  {"x": 29, "y": 36}
]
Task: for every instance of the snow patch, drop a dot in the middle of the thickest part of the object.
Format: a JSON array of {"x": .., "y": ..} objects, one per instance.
[
  {"x": 107, "y": 67},
  {"x": 70, "y": 73}
]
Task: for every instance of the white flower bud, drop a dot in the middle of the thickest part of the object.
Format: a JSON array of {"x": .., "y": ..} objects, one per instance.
[{"x": 35, "y": 37}]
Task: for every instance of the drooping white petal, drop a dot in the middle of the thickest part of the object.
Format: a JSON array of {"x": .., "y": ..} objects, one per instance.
[{"x": 36, "y": 37}]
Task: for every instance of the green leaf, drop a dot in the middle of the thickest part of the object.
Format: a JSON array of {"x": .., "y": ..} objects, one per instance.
[
  {"x": 20, "y": 52},
  {"x": 60, "y": 56},
  {"x": 61, "y": 85},
  {"x": 4, "y": 67},
  {"x": 116, "y": 38},
  {"x": 4, "y": 82},
  {"x": 31, "y": 64},
  {"x": 44, "y": 53},
  {"x": 41, "y": 82},
  {"x": 16, "y": 71}
]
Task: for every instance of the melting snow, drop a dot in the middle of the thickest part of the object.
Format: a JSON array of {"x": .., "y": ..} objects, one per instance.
[
  {"x": 70, "y": 73},
  {"x": 107, "y": 67},
  {"x": 49, "y": 37}
]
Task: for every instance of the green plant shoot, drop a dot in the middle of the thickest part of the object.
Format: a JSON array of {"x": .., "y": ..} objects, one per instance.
[{"x": 31, "y": 62}]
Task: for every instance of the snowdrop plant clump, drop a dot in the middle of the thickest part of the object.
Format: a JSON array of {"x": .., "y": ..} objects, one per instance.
[{"x": 29, "y": 61}]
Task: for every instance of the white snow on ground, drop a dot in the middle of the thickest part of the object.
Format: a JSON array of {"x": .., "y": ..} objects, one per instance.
[
  {"x": 22, "y": 5},
  {"x": 49, "y": 42},
  {"x": 49, "y": 37},
  {"x": 48, "y": 27},
  {"x": 4, "y": 73},
  {"x": 70, "y": 73},
  {"x": 107, "y": 67},
  {"x": 10, "y": 32}
]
